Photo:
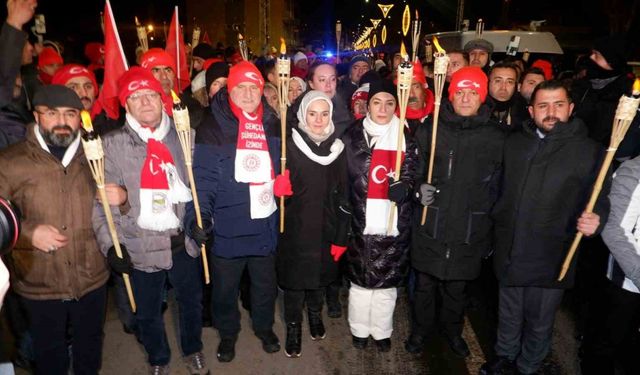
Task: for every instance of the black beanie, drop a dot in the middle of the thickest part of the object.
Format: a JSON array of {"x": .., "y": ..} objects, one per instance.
[
  {"x": 369, "y": 77},
  {"x": 215, "y": 71},
  {"x": 614, "y": 50},
  {"x": 382, "y": 86},
  {"x": 203, "y": 51}
]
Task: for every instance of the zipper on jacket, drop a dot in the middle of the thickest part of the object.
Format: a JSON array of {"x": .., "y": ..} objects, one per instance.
[{"x": 450, "y": 165}]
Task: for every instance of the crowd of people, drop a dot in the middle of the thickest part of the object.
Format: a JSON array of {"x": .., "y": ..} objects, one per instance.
[{"x": 517, "y": 150}]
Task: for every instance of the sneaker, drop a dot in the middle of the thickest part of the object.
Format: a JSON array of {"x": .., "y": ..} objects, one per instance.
[
  {"x": 334, "y": 309},
  {"x": 414, "y": 344},
  {"x": 458, "y": 346},
  {"x": 359, "y": 342},
  {"x": 293, "y": 346},
  {"x": 383, "y": 345},
  {"x": 160, "y": 370},
  {"x": 498, "y": 366},
  {"x": 316, "y": 327},
  {"x": 270, "y": 342},
  {"x": 227, "y": 349},
  {"x": 196, "y": 364}
]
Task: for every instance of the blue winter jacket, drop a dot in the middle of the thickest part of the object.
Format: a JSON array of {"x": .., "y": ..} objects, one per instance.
[{"x": 224, "y": 203}]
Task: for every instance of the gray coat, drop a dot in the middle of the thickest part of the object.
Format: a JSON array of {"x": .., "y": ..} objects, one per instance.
[{"x": 125, "y": 152}]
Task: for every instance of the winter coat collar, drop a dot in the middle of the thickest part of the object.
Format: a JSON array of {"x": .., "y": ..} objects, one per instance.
[
  {"x": 457, "y": 122},
  {"x": 221, "y": 111},
  {"x": 574, "y": 128}
]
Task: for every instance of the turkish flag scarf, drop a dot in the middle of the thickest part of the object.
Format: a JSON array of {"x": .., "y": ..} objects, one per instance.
[{"x": 384, "y": 140}]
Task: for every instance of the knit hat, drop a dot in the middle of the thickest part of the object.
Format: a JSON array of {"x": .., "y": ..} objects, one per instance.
[
  {"x": 378, "y": 64},
  {"x": 302, "y": 83},
  {"x": 69, "y": 71},
  {"x": 203, "y": 51},
  {"x": 94, "y": 51},
  {"x": 382, "y": 86},
  {"x": 157, "y": 57},
  {"x": 208, "y": 62},
  {"x": 546, "y": 68},
  {"x": 418, "y": 73},
  {"x": 469, "y": 77},
  {"x": 613, "y": 49},
  {"x": 307, "y": 99},
  {"x": 137, "y": 78},
  {"x": 479, "y": 44},
  {"x": 49, "y": 56},
  {"x": 199, "y": 81},
  {"x": 54, "y": 96},
  {"x": 356, "y": 59},
  {"x": 369, "y": 76},
  {"x": 299, "y": 56},
  {"x": 215, "y": 71},
  {"x": 244, "y": 71},
  {"x": 362, "y": 93}
]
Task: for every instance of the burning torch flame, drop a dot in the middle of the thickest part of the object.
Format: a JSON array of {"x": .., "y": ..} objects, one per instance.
[
  {"x": 176, "y": 98},
  {"x": 137, "y": 22},
  {"x": 283, "y": 47},
  {"x": 636, "y": 88},
  {"x": 417, "y": 15},
  {"x": 438, "y": 48},
  {"x": 86, "y": 120},
  {"x": 403, "y": 51},
  {"x": 240, "y": 37}
]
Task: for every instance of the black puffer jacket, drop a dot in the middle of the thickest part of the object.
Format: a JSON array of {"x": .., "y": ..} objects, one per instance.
[
  {"x": 547, "y": 183},
  {"x": 376, "y": 261},
  {"x": 312, "y": 222},
  {"x": 467, "y": 168}
]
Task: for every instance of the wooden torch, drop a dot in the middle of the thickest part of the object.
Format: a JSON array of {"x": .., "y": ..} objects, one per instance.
[{"x": 283, "y": 68}]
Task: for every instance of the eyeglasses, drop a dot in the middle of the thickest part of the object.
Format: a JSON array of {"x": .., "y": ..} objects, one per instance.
[
  {"x": 137, "y": 97},
  {"x": 51, "y": 114}
]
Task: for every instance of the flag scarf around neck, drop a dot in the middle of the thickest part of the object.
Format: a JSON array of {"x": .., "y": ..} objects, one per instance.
[
  {"x": 253, "y": 162},
  {"x": 160, "y": 183},
  {"x": 381, "y": 169}
]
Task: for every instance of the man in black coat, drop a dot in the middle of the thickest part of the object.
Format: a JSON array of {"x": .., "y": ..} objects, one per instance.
[
  {"x": 545, "y": 189},
  {"x": 446, "y": 251},
  {"x": 509, "y": 107}
]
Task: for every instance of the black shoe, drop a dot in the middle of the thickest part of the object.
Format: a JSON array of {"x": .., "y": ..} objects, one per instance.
[
  {"x": 458, "y": 346},
  {"x": 498, "y": 366},
  {"x": 316, "y": 327},
  {"x": 227, "y": 349},
  {"x": 293, "y": 346},
  {"x": 359, "y": 342},
  {"x": 383, "y": 345},
  {"x": 270, "y": 342},
  {"x": 414, "y": 344},
  {"x": 334, "y": 309}
]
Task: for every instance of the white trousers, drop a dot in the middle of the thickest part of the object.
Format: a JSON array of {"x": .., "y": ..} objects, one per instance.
[{"x": 371, "y": 311}]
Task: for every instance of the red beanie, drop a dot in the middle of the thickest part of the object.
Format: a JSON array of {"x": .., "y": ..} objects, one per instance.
[
  {"x": 155, "y": 57},
  {"x": 244, "y": 71},
  {"x": 69, "y": 71},
  {"x": 49, "y": 56},
  {"x": 208, "y": 62},
  {"x": 546, "y": 68},
  {"x": 137, "y": 78},
  {"x": 94, "y": 52},
  {"x": 418, "y": 73},
  {"x": 469, "y": 77}
]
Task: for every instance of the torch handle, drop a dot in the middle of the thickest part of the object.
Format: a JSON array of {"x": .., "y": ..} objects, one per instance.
[
  {"x": 403, "y": 98},
  {"x": 116, "y": 242},
  {"x": 283, "y": 158},
  {"x": 597, "y": 187},
  {"x": 432, "y": 155},
  {"x": 196, "y": 206}
]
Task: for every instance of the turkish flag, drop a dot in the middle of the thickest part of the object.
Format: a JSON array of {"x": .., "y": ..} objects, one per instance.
[
  {"x": 115, "y": 64},
  {"x": 175, "y": 47},
  {"x": 381, "y": 169}
]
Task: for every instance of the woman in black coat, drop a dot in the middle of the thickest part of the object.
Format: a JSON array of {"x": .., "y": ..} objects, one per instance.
[
  {"x": 317, "y": 217},
  {"x": 377, "y": 258}
]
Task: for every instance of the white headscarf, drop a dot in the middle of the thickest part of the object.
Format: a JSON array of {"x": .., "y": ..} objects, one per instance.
[{"x": 309, "y": 98}]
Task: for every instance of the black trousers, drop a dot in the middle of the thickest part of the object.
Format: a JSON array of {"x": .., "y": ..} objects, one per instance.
[
  {"x": 49, "y": 320},
  {"x": 451, "y": 310},
  {"x": 227, "y": 273},
  {"x": 612, "y": 326},
  {"x": 294, "y": 301}
]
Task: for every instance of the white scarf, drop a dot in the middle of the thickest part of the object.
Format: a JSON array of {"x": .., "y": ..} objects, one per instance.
[
  {"x": 336, "y": 149},
  {"x": 68, "y": 154},
  {"x": 145, "y": 133}
]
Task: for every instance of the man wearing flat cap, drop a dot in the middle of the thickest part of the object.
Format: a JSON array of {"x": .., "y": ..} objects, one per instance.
[
  {"x": 146, "y": 178},
  {"x": 56, "y": 266},
  {"x": 479, "y": 51}
]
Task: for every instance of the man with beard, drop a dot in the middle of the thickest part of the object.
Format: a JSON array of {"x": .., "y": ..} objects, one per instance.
[
  {"x": 79, "y": 79},
  {"x": 55, "y": 266},
  {"x": 446, "y": 251},
  {"x": 509, "y": 108},
  {"x": 545, "y": 188},
  {"x": 421, "y": 99}
]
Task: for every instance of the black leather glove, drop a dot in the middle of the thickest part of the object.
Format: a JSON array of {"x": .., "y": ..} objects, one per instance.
[
  {"x": 426, "y": 194},
  {"x": 120, "y": 265},
  {"x": 199, "y": 235},
  {"x": 398, "y": 190}
]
